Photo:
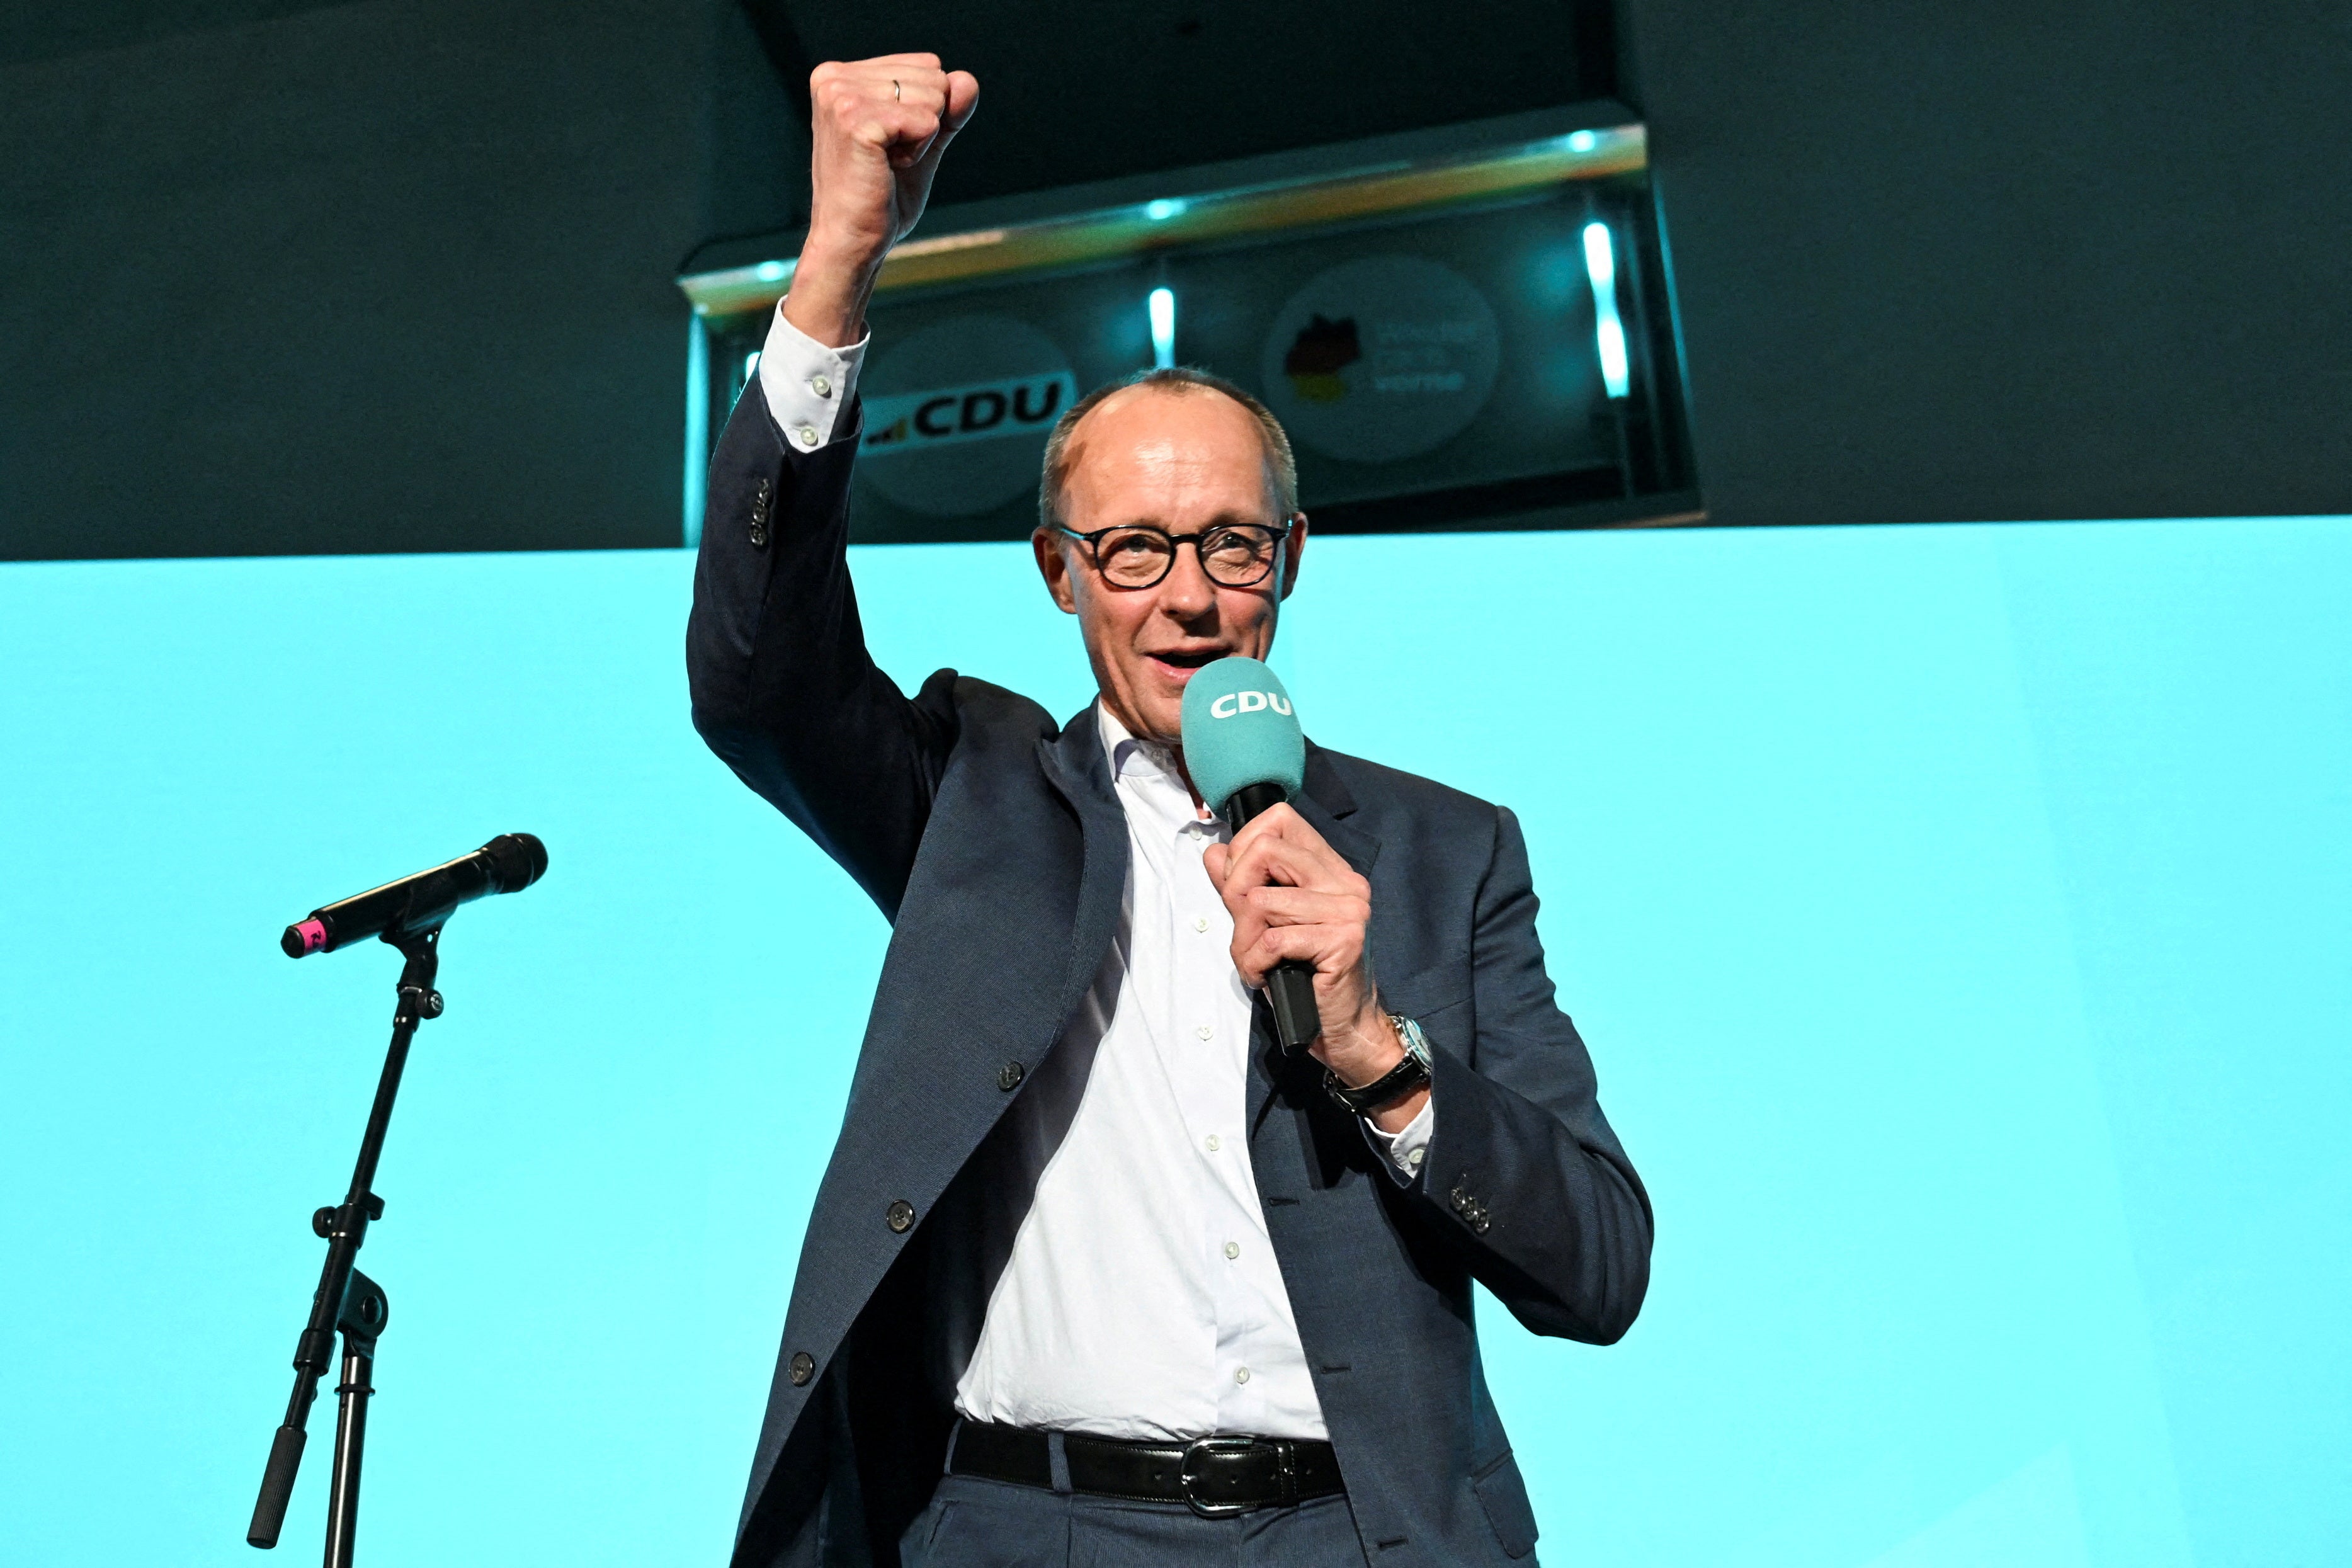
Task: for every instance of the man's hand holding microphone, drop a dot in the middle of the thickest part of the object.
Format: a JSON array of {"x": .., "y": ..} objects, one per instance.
[{"x": 1297, "y": 905}]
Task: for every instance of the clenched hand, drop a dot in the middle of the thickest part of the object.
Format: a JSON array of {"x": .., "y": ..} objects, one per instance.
[{"x": 877, "y": 129}]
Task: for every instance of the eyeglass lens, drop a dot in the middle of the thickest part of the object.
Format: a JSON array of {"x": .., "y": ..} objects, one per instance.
[{"x": 1235, "y": 557}]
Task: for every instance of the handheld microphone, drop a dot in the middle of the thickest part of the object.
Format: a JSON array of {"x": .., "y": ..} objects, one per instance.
[
  {"x": 506, "y": 864},
  {"x": 1245, "y": 753}
]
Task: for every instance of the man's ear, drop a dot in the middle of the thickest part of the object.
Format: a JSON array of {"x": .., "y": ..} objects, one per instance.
[
  {"x": 1054, "y": 565},
  {"x": 1293, "y": 548}
]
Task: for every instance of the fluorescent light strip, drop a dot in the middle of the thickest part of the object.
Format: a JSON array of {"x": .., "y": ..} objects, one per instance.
[
  {"x": 698, "y": 425},
  {"x": 1609, "y": 328},
  {"x": 1163, "y": 328}
]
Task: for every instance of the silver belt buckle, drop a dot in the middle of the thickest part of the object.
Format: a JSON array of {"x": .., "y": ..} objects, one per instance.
[{"x": 1189, "y": 1477}]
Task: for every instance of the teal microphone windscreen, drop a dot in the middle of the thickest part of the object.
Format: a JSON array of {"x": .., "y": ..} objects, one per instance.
[{"x": 1239, "y": 730}]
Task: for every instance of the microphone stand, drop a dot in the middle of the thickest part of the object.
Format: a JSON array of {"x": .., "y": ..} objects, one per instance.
[{"x": 348, "y": 1299}]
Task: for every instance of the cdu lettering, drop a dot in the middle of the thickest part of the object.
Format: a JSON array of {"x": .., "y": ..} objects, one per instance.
[
  {"x": 1234, "y": 703},
  {"x": 1052, "y": 400},
  {"x": 923, "y": 417},
  {"x": 974, "y": 419},
  {"x": 947, "y": 415}
]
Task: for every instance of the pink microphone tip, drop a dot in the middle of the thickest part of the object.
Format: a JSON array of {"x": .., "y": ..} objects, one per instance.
[{"x": 307, "y": 938}]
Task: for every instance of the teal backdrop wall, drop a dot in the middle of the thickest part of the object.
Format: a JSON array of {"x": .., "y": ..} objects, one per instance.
[{"x": 1957, "y": 916}]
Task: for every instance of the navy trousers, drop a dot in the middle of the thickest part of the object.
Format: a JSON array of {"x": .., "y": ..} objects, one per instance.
[{"x": 974, "y": 1523}]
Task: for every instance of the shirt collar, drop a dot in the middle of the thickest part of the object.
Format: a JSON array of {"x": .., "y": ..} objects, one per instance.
[
  {"x": 1151, "y": 765},
  {"x": 1130, "y": 756}
]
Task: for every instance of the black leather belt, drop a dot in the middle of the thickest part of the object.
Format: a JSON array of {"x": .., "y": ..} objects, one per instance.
[{"x": 1218, "y": 1476}]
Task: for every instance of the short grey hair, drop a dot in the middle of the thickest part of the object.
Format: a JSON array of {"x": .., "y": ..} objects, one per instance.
[{"x": 1281, "y": 467}]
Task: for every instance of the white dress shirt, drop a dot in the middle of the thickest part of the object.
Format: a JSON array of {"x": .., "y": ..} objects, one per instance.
[{"x": 1140, "y": 1295}]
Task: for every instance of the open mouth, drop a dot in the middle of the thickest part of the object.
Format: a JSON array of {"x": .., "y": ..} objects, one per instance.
[{"x": 1175, "y": 659}]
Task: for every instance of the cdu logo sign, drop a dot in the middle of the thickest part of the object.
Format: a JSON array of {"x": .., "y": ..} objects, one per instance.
[
  {"x": 1234, "y": 703},
  {"x": 949, "y": 415}
]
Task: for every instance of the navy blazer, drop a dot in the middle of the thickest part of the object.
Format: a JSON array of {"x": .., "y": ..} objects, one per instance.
[{"x": 992, "y": 838}]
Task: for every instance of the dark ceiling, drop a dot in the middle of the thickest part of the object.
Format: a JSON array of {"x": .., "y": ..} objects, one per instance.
[
  {"x": 51, "y": 32},
  {"x": 293, "y": 276},
  {"x": 1074, "y": 91}
]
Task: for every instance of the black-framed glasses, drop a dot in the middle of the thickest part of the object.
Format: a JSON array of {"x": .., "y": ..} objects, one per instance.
[{"x": 1138, "y": 555}]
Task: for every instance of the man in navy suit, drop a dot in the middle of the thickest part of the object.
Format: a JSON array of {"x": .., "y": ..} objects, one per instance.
[{"x": 1097, "y": 1273}]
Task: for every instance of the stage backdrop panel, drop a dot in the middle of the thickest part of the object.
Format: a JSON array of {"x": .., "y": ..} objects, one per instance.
[{"x": 1956, "y": 916}]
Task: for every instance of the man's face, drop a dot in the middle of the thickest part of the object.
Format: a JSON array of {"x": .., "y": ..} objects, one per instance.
[{"x": 1181, "y": 461}]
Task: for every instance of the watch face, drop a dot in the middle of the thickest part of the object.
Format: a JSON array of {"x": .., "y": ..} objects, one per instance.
[{"x": 1416, "y": 1044}]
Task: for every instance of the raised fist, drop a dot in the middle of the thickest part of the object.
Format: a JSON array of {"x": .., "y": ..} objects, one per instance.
[{"x": 876, "y": 131}]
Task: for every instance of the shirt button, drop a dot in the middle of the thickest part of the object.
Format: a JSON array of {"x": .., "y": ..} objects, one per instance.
[
  {"x": 1233, "y": 1249},
  {"x": 821, "y": 386},
  {"x": 1214, "y": 1144},
  {"x": 1204, "y": 1031},
  {"x": 805, "y": 434},
  {"x": 1241, "y": 1374},
  {"x": 1201, "y": 924},
  {"x": 1413, "y": 1159}
]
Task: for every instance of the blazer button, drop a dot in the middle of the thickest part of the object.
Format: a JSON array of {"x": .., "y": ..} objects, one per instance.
[
  {"x": 1472, "y": 1209},
  {"x": 900, "y": 1216},
  {"x": 803, "y": 1367},
  {"x": 1008, "y": 1076},
  {"x": 763, "y": 496}
]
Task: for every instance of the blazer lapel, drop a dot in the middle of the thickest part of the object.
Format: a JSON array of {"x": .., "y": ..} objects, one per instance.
[
  {"x": 1327, "y": 803},
  {"x": 1076, "y": 766}
]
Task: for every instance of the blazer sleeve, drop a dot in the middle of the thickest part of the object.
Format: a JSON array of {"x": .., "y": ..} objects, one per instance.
[
  {"x": 1522, "y": 1170},
  {"x": 783, "y": 686}
]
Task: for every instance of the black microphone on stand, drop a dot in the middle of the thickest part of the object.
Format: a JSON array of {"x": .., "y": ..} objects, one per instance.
[
  {"x": 506, "y": 864},
  {"x": 408, "y": 915}
]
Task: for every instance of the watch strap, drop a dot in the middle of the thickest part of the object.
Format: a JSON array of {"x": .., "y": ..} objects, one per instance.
[{"x": 1393, "y": 1085}]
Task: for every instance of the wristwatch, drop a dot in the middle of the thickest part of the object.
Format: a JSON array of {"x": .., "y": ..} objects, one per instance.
[{"x": 1393, "y": 1085}]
